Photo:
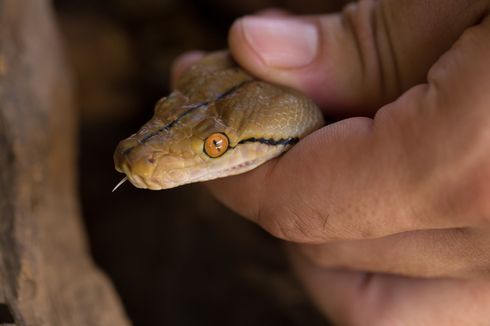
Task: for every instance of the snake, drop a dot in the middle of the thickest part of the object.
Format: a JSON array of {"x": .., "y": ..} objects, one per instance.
[{"x": 219, "y": 121}]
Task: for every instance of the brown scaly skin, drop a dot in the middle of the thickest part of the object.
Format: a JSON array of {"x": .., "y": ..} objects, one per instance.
[{"x": 259, "y": 119}]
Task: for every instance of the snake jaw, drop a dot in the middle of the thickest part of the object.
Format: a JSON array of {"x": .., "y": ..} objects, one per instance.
[
  {"x": 170, "y": 170},
  {"x": 240, "y": 159}
]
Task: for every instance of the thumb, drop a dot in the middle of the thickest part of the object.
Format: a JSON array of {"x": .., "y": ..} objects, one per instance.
[{"x": 356, "y": 61}]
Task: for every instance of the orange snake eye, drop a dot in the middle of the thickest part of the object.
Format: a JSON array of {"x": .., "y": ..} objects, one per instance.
[{"x": 216, "y": 145}]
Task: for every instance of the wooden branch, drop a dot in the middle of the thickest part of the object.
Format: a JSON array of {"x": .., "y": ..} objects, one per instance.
[{"x": 46, "y": 275}]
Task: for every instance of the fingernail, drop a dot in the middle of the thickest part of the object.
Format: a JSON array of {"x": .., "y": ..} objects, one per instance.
[{"x": 282, "y": 42}]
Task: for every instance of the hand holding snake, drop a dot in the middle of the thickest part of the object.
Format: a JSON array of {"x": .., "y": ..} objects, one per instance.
[{"x": 400, "y": 184}]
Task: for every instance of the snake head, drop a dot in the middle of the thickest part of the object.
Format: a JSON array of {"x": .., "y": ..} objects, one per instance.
[
  {"x": 218, "y": 122},
  {"x": 175, "y": 146}
]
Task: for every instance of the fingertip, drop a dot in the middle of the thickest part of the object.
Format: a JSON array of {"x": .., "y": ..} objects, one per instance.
[
  {"x": 279, "y": 42},
  {"x": 284, "y": 50},
  {"x": 241, "y": 51},
  {"x": 182, "y": 63}
]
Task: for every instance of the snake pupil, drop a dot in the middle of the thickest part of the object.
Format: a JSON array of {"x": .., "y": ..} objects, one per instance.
[{"x": 216, "y": 145}]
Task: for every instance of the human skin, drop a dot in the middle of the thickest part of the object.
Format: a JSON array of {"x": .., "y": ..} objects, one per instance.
[{"x": 385, "y": 212}]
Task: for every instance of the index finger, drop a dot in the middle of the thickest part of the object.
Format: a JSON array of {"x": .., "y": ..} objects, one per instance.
[{"x": 421, "y": 163}]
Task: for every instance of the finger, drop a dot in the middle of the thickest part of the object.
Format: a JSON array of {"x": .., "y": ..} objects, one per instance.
[
  {"x": 354, "y": 62},
  {"x": 421, "y": 163},
  {"x": 182, "y": 63},
  {"x": 354, "y": 298},
  {"x": 430, "y": 253}
]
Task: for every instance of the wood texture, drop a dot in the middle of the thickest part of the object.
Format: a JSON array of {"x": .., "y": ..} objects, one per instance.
[{"x": 46, "y": 275}]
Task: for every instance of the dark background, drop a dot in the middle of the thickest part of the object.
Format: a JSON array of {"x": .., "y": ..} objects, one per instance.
[{"x": 176, "y": 257}]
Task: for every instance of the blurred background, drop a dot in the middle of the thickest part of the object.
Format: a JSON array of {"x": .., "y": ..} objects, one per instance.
[{"x": 176, "y": 257}]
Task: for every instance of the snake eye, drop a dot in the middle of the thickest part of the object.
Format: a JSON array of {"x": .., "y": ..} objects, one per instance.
[{"x": 216, "y": 145}]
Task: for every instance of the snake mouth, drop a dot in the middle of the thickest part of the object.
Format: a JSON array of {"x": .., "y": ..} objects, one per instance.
[
  {"x": 156, "y": 171},
  {"x": 241, "y": 167},
  {"x": 137, "y": 181},
  {"x": 141, "y": 182},
  {"x": 232, "y": 163}
]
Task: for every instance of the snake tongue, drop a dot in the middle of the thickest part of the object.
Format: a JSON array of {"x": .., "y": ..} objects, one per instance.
[{"x": 120, "y": 183}]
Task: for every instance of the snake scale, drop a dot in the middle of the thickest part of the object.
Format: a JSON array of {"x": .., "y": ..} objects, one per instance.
[{"x": 219, "y": 121}]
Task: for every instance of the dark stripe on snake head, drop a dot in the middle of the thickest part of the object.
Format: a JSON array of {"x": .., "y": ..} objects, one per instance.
[
  {"x": 270, "y": 141},
  {"x": 191, "y": 108}
]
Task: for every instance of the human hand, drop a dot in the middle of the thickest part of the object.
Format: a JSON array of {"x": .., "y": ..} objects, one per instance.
[{"x": 403, "y": 189}]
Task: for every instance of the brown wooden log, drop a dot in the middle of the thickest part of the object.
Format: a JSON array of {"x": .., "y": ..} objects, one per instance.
[{"x": 46, "y": 274}]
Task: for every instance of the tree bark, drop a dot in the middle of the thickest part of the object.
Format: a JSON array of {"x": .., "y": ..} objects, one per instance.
[{"x": 46, "y": 274}]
